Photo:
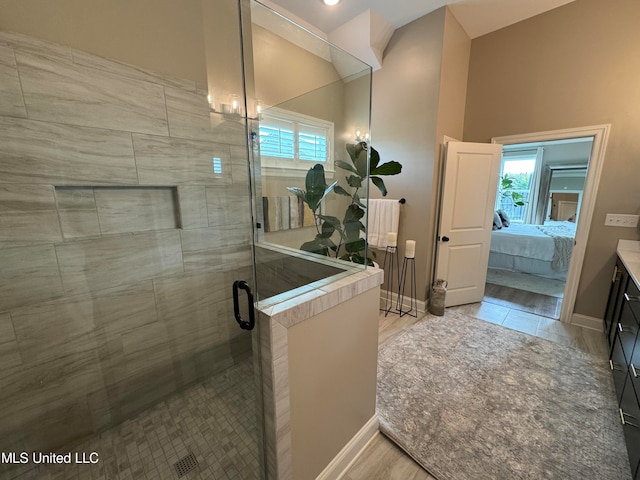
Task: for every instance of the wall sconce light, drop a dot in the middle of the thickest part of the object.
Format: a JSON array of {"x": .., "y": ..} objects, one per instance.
[
  {"x": 235, "y": 106},
  {"x": 212, "y": 103},
  {"x": 362, "y": 138}
]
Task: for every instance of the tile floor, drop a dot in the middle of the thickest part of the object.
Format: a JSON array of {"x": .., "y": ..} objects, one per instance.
[
  {"x": 215, "y": 420},
  {"x": 587, "y": 340}
]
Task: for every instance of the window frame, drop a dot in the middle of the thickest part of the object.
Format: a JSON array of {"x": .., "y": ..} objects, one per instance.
[
  {"x": 298, "y": 120},
  {"x": 515, "y": 156}
]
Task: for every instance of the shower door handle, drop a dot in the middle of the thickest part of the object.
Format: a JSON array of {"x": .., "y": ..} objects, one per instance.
[{"x": 244, "y": 324}]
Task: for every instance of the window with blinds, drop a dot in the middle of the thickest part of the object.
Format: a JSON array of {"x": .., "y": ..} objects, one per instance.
[{"x": 292, "y": 140}]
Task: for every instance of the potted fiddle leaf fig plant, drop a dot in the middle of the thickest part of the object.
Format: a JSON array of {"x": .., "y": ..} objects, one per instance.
[
  {"x": 316, "y": 190},
  {"x": 351, "y": 246},
  {"x": 507, "y": 184}
]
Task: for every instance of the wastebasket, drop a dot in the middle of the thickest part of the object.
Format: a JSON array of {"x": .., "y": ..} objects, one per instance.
[{"x": 438, "y": 297}]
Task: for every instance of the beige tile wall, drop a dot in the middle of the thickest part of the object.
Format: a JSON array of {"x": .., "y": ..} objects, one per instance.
[
  {"x": 118, "y": 242},
  {"x": 110, "y": 298}
]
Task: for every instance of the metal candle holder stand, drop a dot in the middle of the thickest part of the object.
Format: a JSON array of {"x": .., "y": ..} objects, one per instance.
[
  {"x": 391, "y": 253},
  {"x": 409, "y": 263}
]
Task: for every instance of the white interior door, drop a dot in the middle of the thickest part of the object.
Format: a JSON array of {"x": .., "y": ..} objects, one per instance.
[
  {"x": 567, "y": 210},
  {"x": 466, "y": 216}
]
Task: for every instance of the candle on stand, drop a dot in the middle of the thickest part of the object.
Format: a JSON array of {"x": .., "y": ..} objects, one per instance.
[
  {"x": 392, "y": 239},
  {"x": 410, "y": 249}
]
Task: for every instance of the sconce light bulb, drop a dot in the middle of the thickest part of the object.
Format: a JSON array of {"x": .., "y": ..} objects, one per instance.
[
  {"x": 366, "y": 137},
  {"x": 259, "y": 109},
  {"x": 358, "y": 134}
]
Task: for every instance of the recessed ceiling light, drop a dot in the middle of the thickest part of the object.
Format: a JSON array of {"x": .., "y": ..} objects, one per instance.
[{"x": 330, "y": 2}]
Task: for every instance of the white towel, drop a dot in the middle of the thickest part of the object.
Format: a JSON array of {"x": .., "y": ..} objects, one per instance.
[{"x": 383, "y": 217}]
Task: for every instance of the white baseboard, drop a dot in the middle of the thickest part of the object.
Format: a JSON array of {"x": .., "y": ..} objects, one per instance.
[
  {"x": 585, "y": 321},
  {"x": 406, "y": 302},
  {"x": 343, "y": 460}
]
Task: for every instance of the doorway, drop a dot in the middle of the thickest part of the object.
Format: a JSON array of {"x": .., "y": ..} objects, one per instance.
[{"x": 552, "y": 174}]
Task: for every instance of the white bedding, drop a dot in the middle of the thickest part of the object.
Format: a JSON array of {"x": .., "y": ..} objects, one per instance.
[
  {"x": 522, "y": 240},
  {"x": 551, "y": 242}
]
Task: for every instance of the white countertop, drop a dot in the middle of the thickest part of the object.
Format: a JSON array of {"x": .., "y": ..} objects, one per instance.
[{"x": 629, "y": 253}]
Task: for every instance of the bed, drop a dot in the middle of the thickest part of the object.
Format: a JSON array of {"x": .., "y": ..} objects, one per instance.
[{"x": 543, "y": 250}]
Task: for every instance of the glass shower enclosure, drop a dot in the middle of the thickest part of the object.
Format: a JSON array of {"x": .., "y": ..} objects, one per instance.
[
  {"x": 132, "y": 239},
  {"x": 307, "y": 100}
]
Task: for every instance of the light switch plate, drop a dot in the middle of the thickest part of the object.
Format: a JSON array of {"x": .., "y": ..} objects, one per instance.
[{"x": 621, "y": 220}]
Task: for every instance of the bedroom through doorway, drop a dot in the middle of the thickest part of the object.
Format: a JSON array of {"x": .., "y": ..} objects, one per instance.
[{"x": 537, "y": 212}]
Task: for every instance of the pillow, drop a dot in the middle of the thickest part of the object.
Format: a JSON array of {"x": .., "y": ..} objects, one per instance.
[
  {"x": 503, "y": 217},
  {"x": 497, "y": 223}
]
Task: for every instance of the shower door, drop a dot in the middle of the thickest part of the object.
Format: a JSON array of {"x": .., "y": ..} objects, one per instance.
[{"x": 125, "y": 222}]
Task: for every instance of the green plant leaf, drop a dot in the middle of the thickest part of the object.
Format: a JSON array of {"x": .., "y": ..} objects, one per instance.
[
  {"x": 355, "y": 149},
  {"x": 326, "y": 242},
  {"x": 506, "y": 182},
  {"x": 327, "y": 191},
  {"x": 341, "y": 191},
  {"x": 298, "y": 192},
  {"x": 353, "y": 214},
  {"x": 351, "y": 232},
  {"x": 354, "y": 181},
  {"x": 316, "y": 185},
  {"x": 352, "y": 222},
  {"x": 374, "y": 159},
  {"x": 356, "y": 245},
  {"x": 345, "y": 166},
  {"x": 358, "y": 154},
  {"x": 334, "y": 222},
  {"x": 327, "y": 230},
  {"x": 355, "y": 258},
  {"x": 378, "y": 182},
  {"x": 314, "y": 246},
  {"x": 389, "y": 168},
  {"x": 361, "y": 164},
  {"x": 357, "y": 201},
  {"x": 315, "y": 178}
]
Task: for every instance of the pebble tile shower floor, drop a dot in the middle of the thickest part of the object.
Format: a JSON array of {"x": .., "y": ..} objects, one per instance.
[{"x": 215, "y": 420}]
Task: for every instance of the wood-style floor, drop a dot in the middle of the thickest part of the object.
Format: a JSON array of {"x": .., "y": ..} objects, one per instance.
[
  {"x": 522, "y": 300},
  {"x": 382, "y": 459}
]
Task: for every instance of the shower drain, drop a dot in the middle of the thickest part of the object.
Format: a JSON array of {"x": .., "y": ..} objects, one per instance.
[{"x": 186, "y": 464}]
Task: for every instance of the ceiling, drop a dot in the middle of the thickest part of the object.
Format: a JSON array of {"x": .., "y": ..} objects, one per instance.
[
  {"x": 477, "y": 17},
  {"x": 570, "y": 152}
]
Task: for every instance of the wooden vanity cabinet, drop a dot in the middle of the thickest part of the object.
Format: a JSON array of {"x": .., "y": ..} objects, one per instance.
[
  {"x": 623, "y": 314},
  {"x": 619, "y": 281}
]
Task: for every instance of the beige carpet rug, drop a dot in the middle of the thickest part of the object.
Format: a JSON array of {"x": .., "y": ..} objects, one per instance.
[{"x": 470, "y": 400}]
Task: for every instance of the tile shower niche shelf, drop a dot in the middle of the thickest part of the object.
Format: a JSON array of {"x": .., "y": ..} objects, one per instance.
[{"x": 87, "y": 211}]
